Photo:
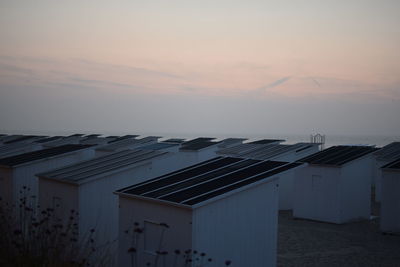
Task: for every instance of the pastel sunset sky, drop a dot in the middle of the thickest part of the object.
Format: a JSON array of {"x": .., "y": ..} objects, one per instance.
[{"x": 210, "y": 66}]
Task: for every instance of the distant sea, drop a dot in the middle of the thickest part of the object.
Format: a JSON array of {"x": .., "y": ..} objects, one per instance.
[{"x": 330, "y": 140}]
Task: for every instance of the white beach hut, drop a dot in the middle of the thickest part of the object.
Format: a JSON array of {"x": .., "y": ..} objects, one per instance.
[
  {"x": 19, "y": 171},
  {"x": 390, "y": 203},
  {"x": 73, "y": 139},
  {"x": 335, "y": 187},
  {"x": 88, "y": 186},
  {"x": 125, "y": 143},
  {"x": 279, "y": 152},
  {"x": 383, "y": 156},
  {"x": 225, "y": 207},
  {"x": 199, "y": 149}
]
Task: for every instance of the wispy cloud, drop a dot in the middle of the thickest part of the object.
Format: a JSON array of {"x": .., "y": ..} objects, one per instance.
[
  {"x": 135, "y": 70},
  {"x": 15, "y": 69},
  {"x": 273, "y": 84}
]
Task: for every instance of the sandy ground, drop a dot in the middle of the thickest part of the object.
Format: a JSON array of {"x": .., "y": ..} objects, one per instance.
[{"x": 309, "y": 243}]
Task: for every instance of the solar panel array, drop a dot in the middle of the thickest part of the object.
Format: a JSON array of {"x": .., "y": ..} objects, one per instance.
[
  {"x": 198, "y": 143},
  {"x": 263, "y": 151},
  {"x": 240, "y": 149},
  {"x": 267, "y": 141},
  {"x": 129, "y": 136},
  {"x": 80, "y": 171},
  {"x": 389, "y": 152},
  {"x": 338, "y": 155},
  {"x": 395, "y": 165},
  {"x": 48, "y": 139},
  {"x": 175, "y": 140},
  {"x": 158, "y": 146},
  {"x": 40, "y": 154},
  {"x": 206, "y": 180},
  {"x": 23, "y": 138},
  {"x": 127, "y": 142}
]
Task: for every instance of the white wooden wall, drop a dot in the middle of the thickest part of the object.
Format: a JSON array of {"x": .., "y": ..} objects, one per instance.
[
  {"x": 390, "y": 204},
  {"x": 317, "y": 193},
  {"x": 24, "y": 175},
  {"x": 178, "y": 236},
  {"x": 286, "y": 180},
  {"x": 378, "y": 179},
  {"x": 355, "y": 189},
  {"x": 241, "y": 228}
]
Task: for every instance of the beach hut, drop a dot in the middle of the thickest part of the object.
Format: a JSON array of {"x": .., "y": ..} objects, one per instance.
[
  {"x": 88, "y": 186},
  {"x": 277, "y": 152},
  {"x": 226, "y": 207},
  {"x": 15, "y": 149},
  {"x": 19, "y": 171},
  {"x": 73, "y": 139},
  {"x": 383, "y": 156},
  {"x": 125, "y": 143},
  {"x": 335, "y": 187},
  {"x": 199, "y": 149},
  {"x": 230, "y": 142},
  {"x": 390, "y": 203},
  {"x": 23, "y": 139}
]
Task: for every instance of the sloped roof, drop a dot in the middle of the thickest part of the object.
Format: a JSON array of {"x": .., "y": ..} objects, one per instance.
[
  {"x": 394, "y": 165},
  {"x": 207, "y": 180},
  {"x": 389, "y": 152},
  {"x": 40, "y": 154},
  {"x": 79, "y": 172},
  {"x": 338, "y": 155}
]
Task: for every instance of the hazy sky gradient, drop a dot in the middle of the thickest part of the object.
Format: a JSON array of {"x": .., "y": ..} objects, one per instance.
[{"x": 221, "y": 66}]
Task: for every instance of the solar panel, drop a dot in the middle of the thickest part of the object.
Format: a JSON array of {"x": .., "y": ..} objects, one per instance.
[
  {"x": 190, "y": 181},
  {"x": 158, "y": 146},
  {"x": 22, "y": 138},
  {"x": 338, "y": 155},
  {"x": 266, "y": 141},
  {"x": 172, "y": 179},
  {"x": 221, "y": 181},
  {"x": 199, "y": 139},
  {"x": 197, "y": 145},
  {"x": 205, "y": 181},
  {"x": 175, "y": 140},
  {"x": 393, "y": 165},
  {"x": 239, "y": 184},
  {"x": 389, "y": 152},
  {"x": 40, "y": 154},
  {"x": 49, "y": 139},
  {"x": 171, "y": 173},
  {"x": 101, "y": 165}
]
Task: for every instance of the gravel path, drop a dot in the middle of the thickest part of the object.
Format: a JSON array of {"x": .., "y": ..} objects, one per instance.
[{"x": 309, "y": 243}]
